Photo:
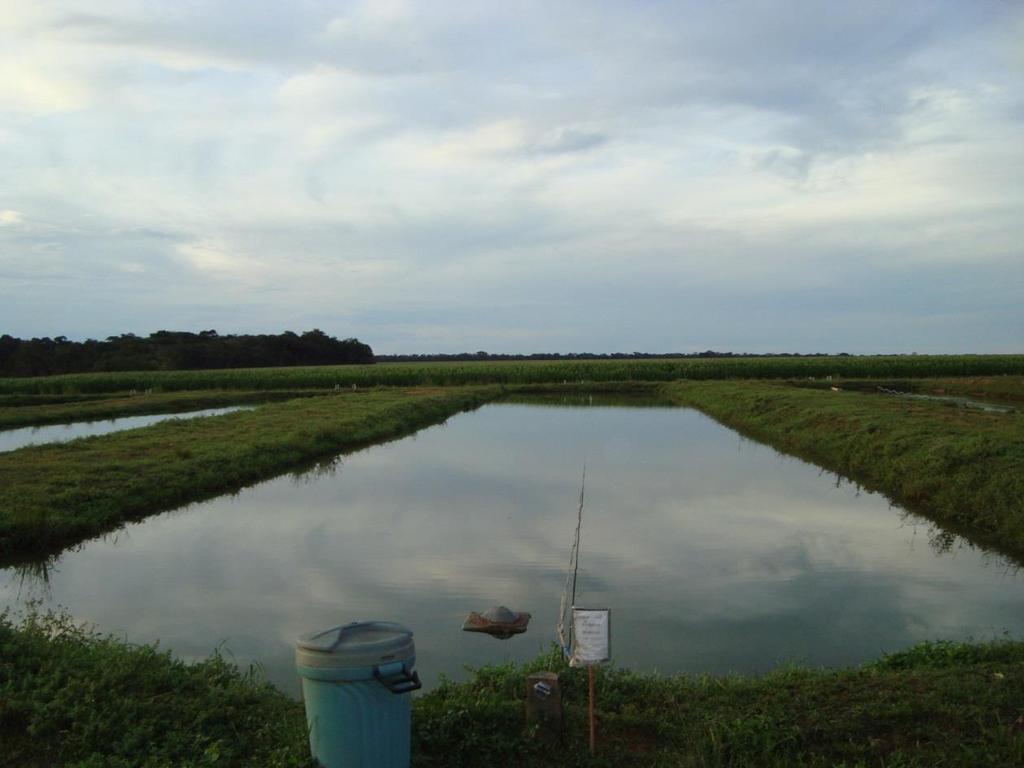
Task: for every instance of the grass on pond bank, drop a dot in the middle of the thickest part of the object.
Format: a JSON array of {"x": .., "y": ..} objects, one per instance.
[
  {"x": 1008, "y": 388},
  {"x": 59, "y": 494},
  {"x": 963, "y": 469},
  {"x": 1003, "y": 389},
  {"x": 71, "y": 697}
]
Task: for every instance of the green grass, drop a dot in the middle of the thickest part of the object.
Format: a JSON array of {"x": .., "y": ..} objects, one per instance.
[
  {"x": 1002, "y": 388},
  {"x": 72, "y": 697},
  {"x": 522, "y": 372},
  {"x": 59, "y": 494},
  {"x": 910, "y": 709},
  {"x": 14, "y": 401},
  {"x": 964, "y": 469}
]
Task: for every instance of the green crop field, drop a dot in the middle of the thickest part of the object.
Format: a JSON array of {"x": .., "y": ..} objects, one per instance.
[{"x": 521, "y": 372}]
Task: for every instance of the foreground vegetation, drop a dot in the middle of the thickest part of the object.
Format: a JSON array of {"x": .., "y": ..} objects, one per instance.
[
  {"x": 71, "y": 697},
  {"x": 961, "y": 468},
  {"x": 59, "y": 494},
  {"x": 523, "y": 372}
]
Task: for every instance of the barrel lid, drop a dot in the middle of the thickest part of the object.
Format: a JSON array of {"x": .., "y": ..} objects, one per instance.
[{"x": 356, "y": 644}]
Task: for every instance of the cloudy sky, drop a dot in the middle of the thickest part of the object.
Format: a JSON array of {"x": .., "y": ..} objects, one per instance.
[{"x": 518, "y": 177}]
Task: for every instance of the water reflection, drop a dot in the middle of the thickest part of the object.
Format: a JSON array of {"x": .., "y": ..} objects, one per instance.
[
  {"x": 12, "y": 439},
  {"x": 715, "y": 554}
]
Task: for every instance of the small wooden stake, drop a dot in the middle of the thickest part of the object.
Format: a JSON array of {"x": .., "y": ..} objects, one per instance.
[
  {"x": 544, "y": 705},
  {"x": 590, "y": 670}
]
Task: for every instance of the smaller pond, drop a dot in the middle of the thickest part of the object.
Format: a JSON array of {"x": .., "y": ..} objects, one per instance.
[{"x": 12, "y": 439}]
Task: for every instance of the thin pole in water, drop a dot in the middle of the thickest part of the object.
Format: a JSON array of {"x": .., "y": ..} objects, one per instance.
[
  {"x": 570, "y": 574},
  {"x": 579, "y": 523}
]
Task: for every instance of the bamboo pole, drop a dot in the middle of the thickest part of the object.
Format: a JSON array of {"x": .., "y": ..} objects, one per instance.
[{"x": 579, "y": 524}]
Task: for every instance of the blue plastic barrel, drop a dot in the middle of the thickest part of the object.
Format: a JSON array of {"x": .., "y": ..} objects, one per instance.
[{"x": 356, "y": 680}]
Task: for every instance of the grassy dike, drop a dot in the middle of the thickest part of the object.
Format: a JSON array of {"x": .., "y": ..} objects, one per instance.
[
  {"x": 74, "y": 698},
  {"x": 37, "y": 410},
  {"x": 515, "y": 372},
  {"x": 964, "y": 469},
  {"x": 55, "y": 495},
  {"x": 1007, "y": 390}
]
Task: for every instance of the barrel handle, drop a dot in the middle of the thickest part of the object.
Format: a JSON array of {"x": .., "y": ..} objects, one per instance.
[{"x": 403, "y": 682}]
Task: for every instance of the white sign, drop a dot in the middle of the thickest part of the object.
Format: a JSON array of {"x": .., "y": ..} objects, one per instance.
[{"x": 591, "y": 636}]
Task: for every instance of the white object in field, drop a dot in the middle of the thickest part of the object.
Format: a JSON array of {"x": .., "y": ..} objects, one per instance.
[{"x": 591, "y": 632}]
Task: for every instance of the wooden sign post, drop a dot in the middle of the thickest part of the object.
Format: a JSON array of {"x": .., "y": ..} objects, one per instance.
[{"x": 591, "y": 629}]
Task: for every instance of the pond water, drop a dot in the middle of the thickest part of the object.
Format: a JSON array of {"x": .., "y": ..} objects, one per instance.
[
  {"x": 12, "y": 439},
  {"x": 714, "y": 554}
]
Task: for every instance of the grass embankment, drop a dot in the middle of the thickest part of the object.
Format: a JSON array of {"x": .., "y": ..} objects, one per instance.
[
  {"x": 522, "y": 372},
  {"x": 73, "y": 698},
  {"x": 961, "y": 468},
  {"x": 35, "y": 410},
  {"x": 1006, "y": 389},
  {"x": 59, "y": 494}
]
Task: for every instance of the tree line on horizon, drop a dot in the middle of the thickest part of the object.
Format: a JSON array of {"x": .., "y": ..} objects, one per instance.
[{"x": 176, "y": 350}]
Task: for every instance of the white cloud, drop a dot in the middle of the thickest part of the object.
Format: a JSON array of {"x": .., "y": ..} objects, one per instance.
[
  {"x": 38, "y": 91},
  {"x": 9, "y": 217},
  {"x": 498, "y": 137},
  {"x": 212, "y": 257},
  {"x": 377, "y": 17}
]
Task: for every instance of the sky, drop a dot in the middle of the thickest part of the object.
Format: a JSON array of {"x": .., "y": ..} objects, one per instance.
[{"x": 518, "y": 177}]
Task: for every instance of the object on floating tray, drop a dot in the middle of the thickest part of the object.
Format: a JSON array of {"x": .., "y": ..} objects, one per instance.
[{"x": 498, "y": 622}]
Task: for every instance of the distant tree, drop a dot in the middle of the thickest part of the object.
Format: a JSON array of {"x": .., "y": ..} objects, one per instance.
[{"x": 176, "y": 350}]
